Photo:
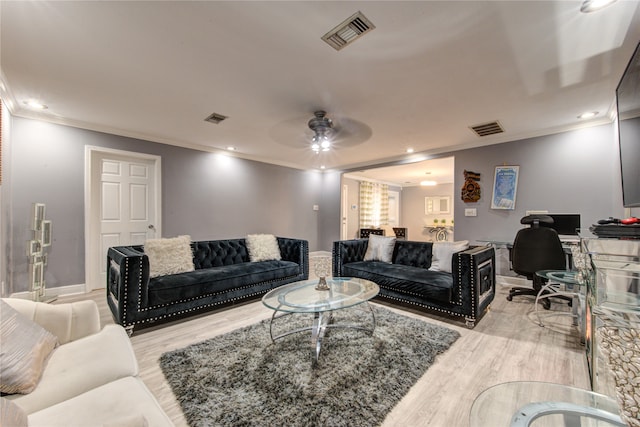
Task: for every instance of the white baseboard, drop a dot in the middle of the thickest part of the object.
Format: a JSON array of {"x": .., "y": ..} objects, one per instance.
[{"x": 53, "y": 292}]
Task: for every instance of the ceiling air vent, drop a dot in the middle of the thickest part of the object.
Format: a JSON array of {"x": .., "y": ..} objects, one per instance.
[
  {"x": 215, "y": 118},
  {"x": 487, "y": 129},
  {"x": 348, "y": 31}
]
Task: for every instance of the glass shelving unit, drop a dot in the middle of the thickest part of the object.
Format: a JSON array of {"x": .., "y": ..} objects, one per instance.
[{"x": 612, "y": 278}]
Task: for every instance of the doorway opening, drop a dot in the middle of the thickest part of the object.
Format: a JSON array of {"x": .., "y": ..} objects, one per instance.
[{"x": 408, "y": 198}]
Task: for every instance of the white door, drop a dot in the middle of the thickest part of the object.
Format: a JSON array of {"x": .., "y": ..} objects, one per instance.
[{"x": 124, "y": 206}]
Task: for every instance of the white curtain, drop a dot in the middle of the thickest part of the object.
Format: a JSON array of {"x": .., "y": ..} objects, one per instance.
[{"x": 374, "y": 204}]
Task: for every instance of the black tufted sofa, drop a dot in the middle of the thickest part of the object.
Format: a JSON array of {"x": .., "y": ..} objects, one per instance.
[
  {"x": 223, "y": 274},
  {"x": 466, "y": 292}
]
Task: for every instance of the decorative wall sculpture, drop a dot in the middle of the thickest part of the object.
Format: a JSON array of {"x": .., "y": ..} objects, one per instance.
[
  {"x": 36, "y": 251},
  {"x": 471, "y": 188}
]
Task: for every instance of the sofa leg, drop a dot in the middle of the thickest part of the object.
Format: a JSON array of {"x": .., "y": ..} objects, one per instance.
[
  {"x": 470, "y": 322},
  {"x": 129, "y": 330}
]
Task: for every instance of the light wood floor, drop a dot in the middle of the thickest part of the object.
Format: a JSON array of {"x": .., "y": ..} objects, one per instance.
[{"x": 506, "y": 345}]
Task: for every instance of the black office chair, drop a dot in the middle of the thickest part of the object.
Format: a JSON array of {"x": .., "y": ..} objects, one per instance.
[{"x": 536, "y": 248}]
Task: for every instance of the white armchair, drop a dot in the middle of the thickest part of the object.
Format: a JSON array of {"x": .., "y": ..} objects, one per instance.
[
  {"x": 68, "y": 322},
  {"x": 91, "y": 378}
]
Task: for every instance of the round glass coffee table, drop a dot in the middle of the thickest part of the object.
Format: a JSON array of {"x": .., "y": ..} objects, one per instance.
[
  {"x": 309, "y": 296},
  {"x": 530, "y": 403}
]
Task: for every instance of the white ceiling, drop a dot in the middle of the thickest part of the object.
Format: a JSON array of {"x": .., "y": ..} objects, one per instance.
[
  {"x": 439, "y": 170},
  {"x": 428, "y": 71}
]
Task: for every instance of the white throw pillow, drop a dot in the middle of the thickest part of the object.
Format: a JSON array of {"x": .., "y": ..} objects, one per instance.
[
  {"x": 380, "y": 248},
  {"x": 263, "y": 247},
  {"x": 169, "y": 256},
  {"x": 443, "y": 252},
  {"x": 26, "y": 346}
]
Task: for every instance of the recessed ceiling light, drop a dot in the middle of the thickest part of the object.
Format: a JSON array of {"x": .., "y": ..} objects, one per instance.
[
  {"x": 428, "y": 183},
  {"x": 35, "y": 105},
  {"x": 409, "y": 150},
  {"x": 588, "y": 115},
  {"x": 593, "y": 5},
  {"x": 322, "y": 167},
  {"x": 230, "y": 148}
]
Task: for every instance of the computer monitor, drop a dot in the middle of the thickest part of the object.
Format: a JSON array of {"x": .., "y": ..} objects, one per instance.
[{"x": 565, "y": 224}]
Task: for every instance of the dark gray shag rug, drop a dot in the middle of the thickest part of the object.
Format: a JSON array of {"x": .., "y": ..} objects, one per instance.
[{"x": 243, "y": 379}]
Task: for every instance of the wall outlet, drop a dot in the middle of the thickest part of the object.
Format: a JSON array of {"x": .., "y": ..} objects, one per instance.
[
  {"x": 316, "y": 207},
  {"x": 471, "y": 212}
]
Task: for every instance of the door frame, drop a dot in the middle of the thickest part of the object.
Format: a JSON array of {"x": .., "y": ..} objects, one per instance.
[
  {"x": 344, "y": 212},
  {"x": 92, "y": 209},
  {"x": 397, "y": 210}
]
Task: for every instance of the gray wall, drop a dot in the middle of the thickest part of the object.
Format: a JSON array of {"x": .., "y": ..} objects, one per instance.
[
  {"x": 353, "y": 199},
  {"x": 413, "y": 211},
  {"x": 329, "y": 213},
  {"x": 201, "y": 196},
  {"x": 571, "y": 172}
]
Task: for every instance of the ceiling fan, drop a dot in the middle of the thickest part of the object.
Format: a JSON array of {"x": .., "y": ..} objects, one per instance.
[{"x": 322, "y": 133}]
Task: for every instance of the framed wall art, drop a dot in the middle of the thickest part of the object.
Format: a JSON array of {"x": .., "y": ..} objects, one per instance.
[{"x": 505, "y": 187}]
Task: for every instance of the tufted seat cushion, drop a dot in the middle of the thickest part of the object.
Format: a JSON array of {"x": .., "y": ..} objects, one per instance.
[
  {"x": 209, "y": 280},
  {"x": 416, "y": 281}
]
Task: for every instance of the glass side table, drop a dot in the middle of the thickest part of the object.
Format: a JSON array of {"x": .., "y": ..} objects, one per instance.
[
  {"x": 562, "y": 283},
  {"x": 540, "y": 404}
]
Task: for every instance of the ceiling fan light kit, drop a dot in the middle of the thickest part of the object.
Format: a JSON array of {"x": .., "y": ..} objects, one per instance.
[{"x": 322, "y": 126}]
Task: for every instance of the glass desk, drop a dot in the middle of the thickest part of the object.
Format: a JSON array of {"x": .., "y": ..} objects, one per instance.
[{"x": 539, "y": 404}]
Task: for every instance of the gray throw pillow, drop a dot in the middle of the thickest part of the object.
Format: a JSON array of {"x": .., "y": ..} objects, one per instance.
[
  {"x": 380, "y": 248},
  {"x": 443, "y": 254},
  {"x": 25, "y": 349}
]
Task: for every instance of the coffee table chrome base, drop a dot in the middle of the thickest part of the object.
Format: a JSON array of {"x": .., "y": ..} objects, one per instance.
[
  {"x": 571, "y": 413},
  {"x": 322, "y": 321}
]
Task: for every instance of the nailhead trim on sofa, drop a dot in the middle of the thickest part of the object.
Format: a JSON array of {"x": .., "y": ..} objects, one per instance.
[{"x": 132, "y": 272}]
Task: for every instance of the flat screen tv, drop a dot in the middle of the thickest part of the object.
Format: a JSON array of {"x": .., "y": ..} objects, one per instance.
[{"x": 628, "y": 99}]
